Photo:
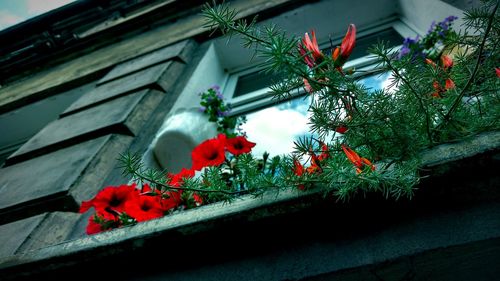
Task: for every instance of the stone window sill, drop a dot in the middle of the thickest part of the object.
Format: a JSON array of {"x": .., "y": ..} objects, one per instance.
[{"x": 459, "y": 204}]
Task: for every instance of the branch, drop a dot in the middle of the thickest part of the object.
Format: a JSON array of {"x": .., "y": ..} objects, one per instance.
[
  {"x": 420, "y": 101},
  {"x": 145, "y": 178},
  {"x": 456, "y": 103}
]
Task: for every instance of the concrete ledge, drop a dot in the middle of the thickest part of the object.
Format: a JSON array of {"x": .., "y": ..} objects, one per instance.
[{"x": 293, "y": 234}]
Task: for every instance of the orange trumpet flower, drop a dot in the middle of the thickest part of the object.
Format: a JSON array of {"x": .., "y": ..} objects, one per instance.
[
  {"x": 312, "y": 45},
  {"x": 311, "y": 49},
  {"x": 446, "y": 61},
  {"x": 355, "y": 159},
  {"x": 342, "y": 53}
]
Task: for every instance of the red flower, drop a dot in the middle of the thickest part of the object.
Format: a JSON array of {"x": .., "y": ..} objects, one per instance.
[
  {"x": 341, "y": 129},
  {"x": 98, "y": 223},
  {"x": 309, "y": 61},
  {"x": 167, "y": 200},
  {"x": 439, "y": 90},
  {"x": 172, "y": 199},
  {"x": 449, "y": 84},
  {"x": 312, "y": 49},
  {"x": 111, "y": 198},
  {"x": 430, "y": 62},
  {"x": 342, "y": 53},
  {"x": 497, "y": 70},
  {"x": 298, "y": 169},
  {"x": 315, "y": 164},
  {"x": 446, "y": 61},
  {"x": 307, "y": 86},
  {"x": 144, "y": 207},
  {"x": 209, "y": 153},
  {"x": 93, "y": 227},
  {"x": 324, "y": 152},
  {"x": 317, "y": 159},
  {"x": 317, "y": 84},
  {"x": 239, "y": 145},
  {"x": 178, "y": 179},
  {"x": 198, "y": 200},
  {"x": 359, "y": 162}
]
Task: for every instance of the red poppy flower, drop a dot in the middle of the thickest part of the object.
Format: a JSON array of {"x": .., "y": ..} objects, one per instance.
[
  {"x": 111, "y": 197},
  {"x": 358, "y": 161},
  {"x": 198, "y": 200},
  {"x": 167, "y": 200},
  {"x": 209, "y": 153},
  {"x": 178, "y": 179},
  {"x": 98, "y": 223},
  {"x": 171, "y": 200},
  {"x": 342, "y": 53},
  {"x": 144, "y": 207},
  {"x": 497, "y": 70},
  {"x": 239, "y": 145},
  {"x": 93, "y": 227}
]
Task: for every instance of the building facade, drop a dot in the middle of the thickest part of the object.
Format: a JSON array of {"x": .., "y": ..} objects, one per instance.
[{"x": 95, "y": 79}]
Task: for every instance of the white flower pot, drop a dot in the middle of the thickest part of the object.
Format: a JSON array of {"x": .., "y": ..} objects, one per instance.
[{"x": 180, "y": 133}]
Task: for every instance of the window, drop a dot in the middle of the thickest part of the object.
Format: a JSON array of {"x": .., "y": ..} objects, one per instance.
[
  {"x": 233, "y": 68},
  {"x": 274, "y": 126}
]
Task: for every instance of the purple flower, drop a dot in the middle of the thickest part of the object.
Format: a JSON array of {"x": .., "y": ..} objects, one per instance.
[
  {"x": 202, "y": 109},
  {"x": 433, "y": 25},
  {"x": 222, "y": 113},
  {"x": 406, "y": 48},
  {"x": 403, "y": 52},
  {"x": 451, "y": 18},
  {"x": 444, "y": 26}
]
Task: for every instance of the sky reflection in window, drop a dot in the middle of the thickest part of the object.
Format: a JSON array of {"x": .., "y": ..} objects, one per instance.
[{"x": 275, "y": 128}]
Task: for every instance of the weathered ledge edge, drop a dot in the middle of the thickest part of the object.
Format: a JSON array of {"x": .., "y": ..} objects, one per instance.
[{"x": 191, "y": 221}]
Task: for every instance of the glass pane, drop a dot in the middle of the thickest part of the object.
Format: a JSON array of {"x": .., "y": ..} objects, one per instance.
[
  {"x": 256, "y": 80},
  {"x": 363, "y": 44},
  {"x": 275, "y": 128},
  {"x": 253, "y": 82},
  {"x": 378, "y": 81}
]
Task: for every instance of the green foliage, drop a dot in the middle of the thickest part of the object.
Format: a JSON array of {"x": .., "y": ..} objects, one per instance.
[
  {"x": 421, "y": 110},
  {"x": 213, "y": 105},
  {"x": 429, "y": 102}
]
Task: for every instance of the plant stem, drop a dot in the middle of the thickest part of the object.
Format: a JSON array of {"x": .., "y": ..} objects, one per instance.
[
  {"x": 456, "y": 103},
  {"x": 417, "y": 96},
  {"x": 143, "y": 177}
]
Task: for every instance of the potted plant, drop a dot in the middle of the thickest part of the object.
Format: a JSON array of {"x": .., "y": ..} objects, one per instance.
[{"x": 367, "y": 141}]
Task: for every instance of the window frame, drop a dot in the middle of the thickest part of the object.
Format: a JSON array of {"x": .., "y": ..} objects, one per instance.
[{"x": 259, "y": 99}]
